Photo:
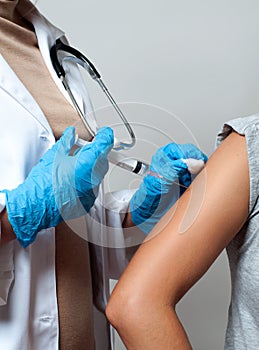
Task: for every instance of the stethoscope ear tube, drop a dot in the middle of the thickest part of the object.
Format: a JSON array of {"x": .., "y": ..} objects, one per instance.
[
  {"x": 60, "y": 46},
  {"x": 54, "y": 59},
  {"x": 79, "y": 58}
]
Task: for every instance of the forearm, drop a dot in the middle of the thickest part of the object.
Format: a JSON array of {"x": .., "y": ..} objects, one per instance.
[
  {"x": 173, "y": 336},
  {"x": 6, "y": 228},
  {"x": 155, "y": 328},
  {"x": 127, "y": 222}
]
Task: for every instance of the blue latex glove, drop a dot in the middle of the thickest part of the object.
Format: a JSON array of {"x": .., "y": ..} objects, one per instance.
[
  {"x": 60, "y": 187},
  {"x": 158, "y": 191}
]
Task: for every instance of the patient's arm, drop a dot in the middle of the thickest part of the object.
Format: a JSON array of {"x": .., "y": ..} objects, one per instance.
[{"x": 168, "y": 264}]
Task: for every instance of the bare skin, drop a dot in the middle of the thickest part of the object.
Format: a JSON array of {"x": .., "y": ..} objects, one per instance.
[
  {"x": 169, "y": 263},
  {"x": 7, "y": 230},
  {"x": 9, "y": 235}
]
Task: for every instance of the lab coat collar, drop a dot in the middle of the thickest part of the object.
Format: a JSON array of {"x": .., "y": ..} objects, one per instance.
[
  {"x": 40, "y": 23},
  {"x": 47, "y": 34}
]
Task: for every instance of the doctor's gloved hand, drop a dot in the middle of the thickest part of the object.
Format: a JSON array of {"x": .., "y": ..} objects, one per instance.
[
  {"x": 159, "y": 190},
  {"x": 61, "y": 186}
]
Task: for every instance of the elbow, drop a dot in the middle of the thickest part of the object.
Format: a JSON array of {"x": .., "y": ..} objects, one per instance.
[
  {"x": 132, "y": 312},
  {"x": 124, "y": 313},
  {"x": 112, "y": 311}
]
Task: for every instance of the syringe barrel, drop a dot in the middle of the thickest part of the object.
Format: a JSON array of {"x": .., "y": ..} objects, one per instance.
[
  {"x": 122, "y": 160},
  {"x": 129, "y": 163}
]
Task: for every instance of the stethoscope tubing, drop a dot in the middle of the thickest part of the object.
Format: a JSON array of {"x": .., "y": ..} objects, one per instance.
[
  {"x": 82, "y": 60},
  {"x": 118, "y": 158}
]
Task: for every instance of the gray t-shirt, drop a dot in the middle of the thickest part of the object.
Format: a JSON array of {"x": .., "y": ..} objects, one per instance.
[{"x": 243, "y": 251}]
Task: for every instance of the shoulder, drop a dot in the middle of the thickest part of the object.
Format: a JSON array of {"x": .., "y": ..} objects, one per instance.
[
  {"x": 248, "y": 127},
  {"x": 242, "y": 125}
]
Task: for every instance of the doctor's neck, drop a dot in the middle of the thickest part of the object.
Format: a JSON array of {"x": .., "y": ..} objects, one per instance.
[{"x": 7, "y": 9}]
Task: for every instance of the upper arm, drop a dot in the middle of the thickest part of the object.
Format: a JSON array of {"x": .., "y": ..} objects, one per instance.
[{"x": 194, "y": 232}]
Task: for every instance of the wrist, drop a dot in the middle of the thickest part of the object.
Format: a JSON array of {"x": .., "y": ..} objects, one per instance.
[
  {"x": 26, "y": 216},
  {"x": 6, "y": 230}
]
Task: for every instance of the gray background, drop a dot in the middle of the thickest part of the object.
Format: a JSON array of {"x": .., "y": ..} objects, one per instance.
[{"x": 185, "y": 67}]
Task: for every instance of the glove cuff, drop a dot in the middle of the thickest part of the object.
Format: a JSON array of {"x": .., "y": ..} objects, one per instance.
[{"x": 151, "y": 201}]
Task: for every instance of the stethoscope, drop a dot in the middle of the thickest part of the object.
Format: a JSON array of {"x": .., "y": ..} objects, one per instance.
[
  {"x": 118, "y": 158},
  {"x": 73, "y": 55}
]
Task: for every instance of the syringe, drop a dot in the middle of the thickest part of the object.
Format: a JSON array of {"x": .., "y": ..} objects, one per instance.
[
  {"x": 140, "y": 167},
  {"x": 122, "y": 160},
  {"x": 128, "y": 163}
]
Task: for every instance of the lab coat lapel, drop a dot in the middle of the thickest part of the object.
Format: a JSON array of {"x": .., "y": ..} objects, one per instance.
[
  {"x": 12, "y": 85},
  {"x": 47, "y": 34}
]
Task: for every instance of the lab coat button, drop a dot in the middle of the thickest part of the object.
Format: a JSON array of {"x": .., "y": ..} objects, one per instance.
[
  {"x": 46, "y": 319},
  {"x": 44, "y": 138}
]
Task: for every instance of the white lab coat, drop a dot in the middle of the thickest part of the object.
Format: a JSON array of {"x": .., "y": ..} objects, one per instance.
[{"x": 28, "y": 301}]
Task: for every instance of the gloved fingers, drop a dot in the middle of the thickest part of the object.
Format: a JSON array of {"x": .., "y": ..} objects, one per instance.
[
  {"x": 191, "y": 151},
  {"x": 185, "y": 180},
  {"x": 168, "y": 168},
  {"x": 179, "y": 166},
  {"x": 102, "y": 143},
  {"x": 62, "y": 147},
  {"x": 172, "y": 160},
  {"x": 184, "y": 151},
  {"x": 67, "y": 140},
  {"x": 194, "y": 165},
  {"x": 91, "y": 161},
  {"x": 173, "y": 151}
]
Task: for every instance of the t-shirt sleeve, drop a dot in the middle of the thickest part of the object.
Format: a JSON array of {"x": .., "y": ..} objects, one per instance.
[{"x": 249, "y": 127}]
